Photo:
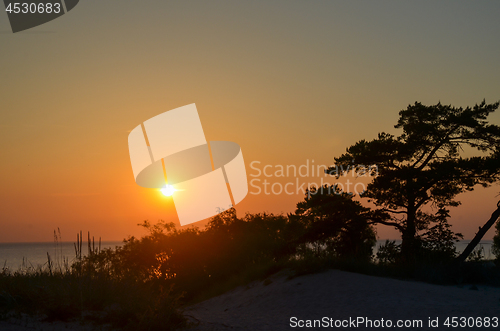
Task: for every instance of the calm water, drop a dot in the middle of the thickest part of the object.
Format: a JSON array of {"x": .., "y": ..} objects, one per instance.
[{"x": 26, "y": 255}]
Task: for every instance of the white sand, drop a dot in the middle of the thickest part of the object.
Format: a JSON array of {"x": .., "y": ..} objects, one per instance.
[{"x": 341, "y": 295}]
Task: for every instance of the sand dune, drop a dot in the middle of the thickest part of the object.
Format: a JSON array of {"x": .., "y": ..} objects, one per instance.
[{"x": 340, "y": 296}]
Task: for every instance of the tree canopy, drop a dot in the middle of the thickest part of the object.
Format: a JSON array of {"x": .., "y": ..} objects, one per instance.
[{"x": 433, "y": 160}]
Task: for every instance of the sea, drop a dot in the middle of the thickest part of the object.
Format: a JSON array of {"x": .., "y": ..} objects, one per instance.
[{"x": 25, "y": 256}]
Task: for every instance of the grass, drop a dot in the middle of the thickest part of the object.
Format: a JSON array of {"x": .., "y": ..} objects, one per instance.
[{"x": 68, "y": 294}]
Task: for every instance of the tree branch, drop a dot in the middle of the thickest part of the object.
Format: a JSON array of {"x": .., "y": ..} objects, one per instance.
[
  {"x": 479, "y": 235},
  {"x": 394, "y": 224},
  {"x": 438, "y": 146},
  {"x": 395, "y": 211}
]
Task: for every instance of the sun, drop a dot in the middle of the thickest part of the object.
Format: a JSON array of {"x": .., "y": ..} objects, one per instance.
[{"x": 168, "y": 190}]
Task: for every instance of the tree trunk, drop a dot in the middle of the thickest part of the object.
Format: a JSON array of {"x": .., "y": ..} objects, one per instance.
[
  {"x": 479, "y": 235},
  {"x": 408, "y": 243}
]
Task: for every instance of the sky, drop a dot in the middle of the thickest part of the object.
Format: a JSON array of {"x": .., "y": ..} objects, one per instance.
[{"x": 292, "y": 82}]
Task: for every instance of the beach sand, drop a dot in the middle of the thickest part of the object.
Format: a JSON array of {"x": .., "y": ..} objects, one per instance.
[{"x": 341, "y": 295}]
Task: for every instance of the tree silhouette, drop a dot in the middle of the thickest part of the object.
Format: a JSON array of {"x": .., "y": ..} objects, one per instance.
[
  {"x": 334, "y": 220},
  {"x": 426, "y": 164}
]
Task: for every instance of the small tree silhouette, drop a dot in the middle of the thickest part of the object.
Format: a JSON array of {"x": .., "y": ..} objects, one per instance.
[{"x": 334, "y": 220}]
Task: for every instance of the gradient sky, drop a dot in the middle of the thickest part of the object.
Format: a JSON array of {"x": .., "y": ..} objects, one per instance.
[{"x": 289, "y": 81}]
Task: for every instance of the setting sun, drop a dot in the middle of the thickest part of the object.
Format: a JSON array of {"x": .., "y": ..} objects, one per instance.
[{"x": 168, "y": 190}]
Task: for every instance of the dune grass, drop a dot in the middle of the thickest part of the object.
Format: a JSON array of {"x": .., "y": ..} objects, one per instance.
[{"x": 57, "y": 293}]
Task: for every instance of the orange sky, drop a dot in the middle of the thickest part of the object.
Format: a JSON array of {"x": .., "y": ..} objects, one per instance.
[{"x": 289, "y": 81}]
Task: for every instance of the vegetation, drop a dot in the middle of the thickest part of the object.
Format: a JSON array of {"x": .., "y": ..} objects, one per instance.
[
  {"x": 143, "y": 284},
  {"x": 335, "y": 224},
  {"x": 427, "y": 166}
]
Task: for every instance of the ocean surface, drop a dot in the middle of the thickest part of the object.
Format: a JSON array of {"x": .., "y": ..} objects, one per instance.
[{"x": 17, "y": 256}]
